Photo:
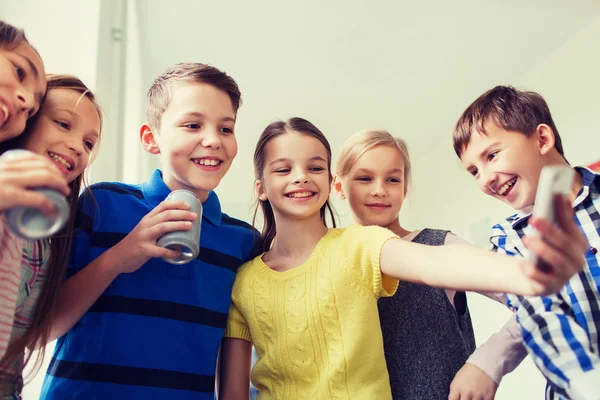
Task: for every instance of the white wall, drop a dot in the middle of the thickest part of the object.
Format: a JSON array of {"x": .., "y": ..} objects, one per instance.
[
  {"x": 60, "y": 32},
  {"x": 445, "y": 196}
]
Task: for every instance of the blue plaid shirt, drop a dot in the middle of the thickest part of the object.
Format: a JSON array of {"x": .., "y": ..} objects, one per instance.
[{"x": 562, "y": 332}]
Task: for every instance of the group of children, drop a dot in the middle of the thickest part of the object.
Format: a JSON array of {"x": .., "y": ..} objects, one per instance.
[{"x": 322, "y": 306}]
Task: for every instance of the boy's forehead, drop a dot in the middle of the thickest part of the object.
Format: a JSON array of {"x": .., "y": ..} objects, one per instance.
[
  {"x": 199, "y": 97},
  {"x": 476, "y": 144}
]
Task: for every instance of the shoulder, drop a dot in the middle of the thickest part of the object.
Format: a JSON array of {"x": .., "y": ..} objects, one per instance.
[
  {"x": 247, "y": 270},
  {"x": 358, "y": 238},
  {"x": 235, "y": 223},
  {"x": 113, "y": 189},
  {"x": 239, "y": 231}
]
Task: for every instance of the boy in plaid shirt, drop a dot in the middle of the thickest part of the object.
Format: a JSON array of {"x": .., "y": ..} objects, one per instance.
[{"x": 504, "y": 139}]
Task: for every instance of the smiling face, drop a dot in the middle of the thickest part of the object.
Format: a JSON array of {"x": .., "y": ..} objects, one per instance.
[
  {"x": 295, "y": 179},
  {"x": 22, "y": 88},
  {"x": 196, "y": 140},
  {"x": 375, "y": 186},
  {"x": 66, "y": 130},
  {"x": 506, "y": 165}
]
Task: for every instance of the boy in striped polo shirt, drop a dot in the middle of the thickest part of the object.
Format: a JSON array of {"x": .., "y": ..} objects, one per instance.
[
  {"x": 504, "y": 139},
  {"x": 131, "y": 325}
]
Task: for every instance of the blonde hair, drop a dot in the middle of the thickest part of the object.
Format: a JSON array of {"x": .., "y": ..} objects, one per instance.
[{"x": 363, "y": 141}]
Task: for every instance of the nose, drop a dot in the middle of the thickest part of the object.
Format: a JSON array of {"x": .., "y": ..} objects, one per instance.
[
  {"x": 378, "y": 190},
  {"x": 25, "y": 100},
  {"x": 301, "y": 177},
  {"x": 211, "y": 139},
  {"x": 487, "y": 180},
  {"x": 76, "y": 146}
]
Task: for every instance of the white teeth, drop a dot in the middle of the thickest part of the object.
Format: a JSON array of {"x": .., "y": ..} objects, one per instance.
[
  {"x": 207, "y": 162},
  {"x": 300, "y": 194},
  {"x": 60, "y": 160},
  {"x": 4, "y": 111},
  {"x": 506, "y": 186}
]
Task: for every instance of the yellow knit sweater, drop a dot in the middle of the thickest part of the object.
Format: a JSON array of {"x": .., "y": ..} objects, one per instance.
[{"x": 316, "y": 327}]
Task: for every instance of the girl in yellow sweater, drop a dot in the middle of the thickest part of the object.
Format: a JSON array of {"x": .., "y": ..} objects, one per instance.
[{"x": 309, "y": 302}]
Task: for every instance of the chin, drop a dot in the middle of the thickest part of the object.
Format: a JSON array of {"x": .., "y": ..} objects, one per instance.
[{"x": 204, "y": 186}]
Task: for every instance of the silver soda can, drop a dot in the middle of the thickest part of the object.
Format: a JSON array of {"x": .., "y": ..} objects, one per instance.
[
  {"x": 186, "y": 242},
  {"x": 31, "y": 223}
]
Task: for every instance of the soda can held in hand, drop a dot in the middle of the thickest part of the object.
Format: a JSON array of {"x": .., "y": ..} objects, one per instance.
[
  {"x": 186, "y": 242},
  {"x": 31, "y": 223}
]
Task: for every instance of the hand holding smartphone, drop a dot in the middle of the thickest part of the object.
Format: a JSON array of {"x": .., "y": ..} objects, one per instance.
[{"x": 554, "y": 180}]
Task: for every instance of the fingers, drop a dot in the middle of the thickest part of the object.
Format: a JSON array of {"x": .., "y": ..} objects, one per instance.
[
  {"x": 167, "y": 205},
  {"x": 556, "y": 247},
  {"x": 561, "y": 263},
  {"x": 560, "y": 249},
  {"x": 15, "y": 197},
  {"x": 566, "y": 221},
  {"x": 158, "y": 230},
  {"x": 33, "y": 174},
  {"x": 163, "y": 252},
  {"x": 454, "y": 394}
]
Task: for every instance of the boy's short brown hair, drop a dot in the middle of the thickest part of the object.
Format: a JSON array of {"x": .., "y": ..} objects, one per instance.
[
  {"x": 159, "y": 93},
  {"x": 510, "y": 109}
]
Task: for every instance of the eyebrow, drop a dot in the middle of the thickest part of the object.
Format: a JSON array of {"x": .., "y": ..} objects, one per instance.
[
  {"x": 200, "y": 115},
  {"x": 392, "y": 171},
  {"x": 487, "y": 149},
  {"x": 317, "y": 158},
  {"x": 31, "y": 65},
  {"x": 75, "y": 114}
]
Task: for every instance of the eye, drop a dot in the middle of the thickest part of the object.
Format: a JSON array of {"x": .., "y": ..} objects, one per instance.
[
  {"x": 62, "y": 124},
  {"x": 473, "y": 172},
  {"x": 317, "y": 169},
  {"x": 20, "y": 72},
  {"x": 363, "y": 179},
  {"x": 282, "y": 170},
  {"x": 394, "y": 180},
  {"x": 192, "y": 125},
  {"x": 227, "y": 130},
  {"x": 492, "y": 155},
  {"x": 89, "y": 144}
]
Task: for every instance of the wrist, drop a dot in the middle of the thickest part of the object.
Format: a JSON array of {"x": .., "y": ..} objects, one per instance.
[{"x": 113, "y": 262}]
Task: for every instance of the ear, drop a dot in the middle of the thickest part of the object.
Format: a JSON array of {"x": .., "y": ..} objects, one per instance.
[
  {"x": 338, "y": 187},
  {"x": 260, "y": 191},
  {"x": 148, "y": 139},
  {"x": 545, "y": 137}
]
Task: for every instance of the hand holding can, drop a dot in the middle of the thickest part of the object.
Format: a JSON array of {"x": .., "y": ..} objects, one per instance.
[{"x": 186, "y": 242}]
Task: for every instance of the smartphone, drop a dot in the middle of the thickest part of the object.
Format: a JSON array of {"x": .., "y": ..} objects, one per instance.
[{"x": 554, "y": 180}]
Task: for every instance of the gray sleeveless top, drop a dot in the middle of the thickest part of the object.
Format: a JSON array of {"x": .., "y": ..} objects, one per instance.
[{"x": 426, "y": 340}]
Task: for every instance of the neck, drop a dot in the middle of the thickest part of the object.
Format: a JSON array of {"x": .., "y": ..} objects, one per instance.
[
  {"x": 173, "y": 184},
  {"x": 295, "y": 237},
  {"x": 577, "y": 185},
  {"x": 577, "y": 180}
]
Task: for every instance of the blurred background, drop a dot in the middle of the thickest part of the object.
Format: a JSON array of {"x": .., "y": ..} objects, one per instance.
[{"x": 405, "y": 66}]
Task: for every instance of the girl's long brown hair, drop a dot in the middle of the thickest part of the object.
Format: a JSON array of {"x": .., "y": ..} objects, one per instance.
[
  {"x": 60, "y": 247},
  {"x": 272, "y": 131}
]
